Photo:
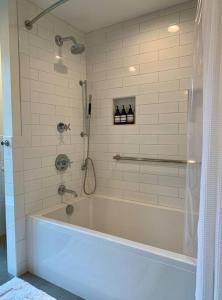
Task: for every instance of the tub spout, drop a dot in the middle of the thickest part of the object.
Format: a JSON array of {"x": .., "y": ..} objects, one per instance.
[{"x": 62, "y": 190}]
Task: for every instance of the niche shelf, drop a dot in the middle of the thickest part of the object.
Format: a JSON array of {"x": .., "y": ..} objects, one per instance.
[{"x": 126, "y": 101}]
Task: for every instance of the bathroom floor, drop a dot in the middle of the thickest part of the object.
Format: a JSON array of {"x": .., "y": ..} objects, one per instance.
[
  {"x": 51, "y": 289},
  {"x": 4, "y": 276}
]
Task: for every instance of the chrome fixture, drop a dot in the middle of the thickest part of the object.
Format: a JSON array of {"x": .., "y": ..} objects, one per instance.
[
  {"x": 86, "y": 108},
  {"x": 62, "y": 162},
  {"x": 69, "y": 209},
  {"x": 61, "y": 127},
  {"x": 5, "y": 143},
  {"x": 62, "y": 190},
  {"x": 152, "y": 160},
  {"x": 29, "y": 23},
  {"x": 76, "y": 48},
  {"x": 82, "y": 82},
  {"x": 82, "y": 134}
]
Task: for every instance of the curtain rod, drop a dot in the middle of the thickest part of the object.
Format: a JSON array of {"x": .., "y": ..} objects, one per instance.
[{"x": 29, "y": 23}]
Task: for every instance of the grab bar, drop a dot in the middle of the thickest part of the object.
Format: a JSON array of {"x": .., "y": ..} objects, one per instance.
[{"x": 154, "y": 160}]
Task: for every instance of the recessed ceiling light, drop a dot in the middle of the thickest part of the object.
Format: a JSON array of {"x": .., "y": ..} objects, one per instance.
[
  {"x": 173, "y": 28},
  {"x": 132, "y": 69}
]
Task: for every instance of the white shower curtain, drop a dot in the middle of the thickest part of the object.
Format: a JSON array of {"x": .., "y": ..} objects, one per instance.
[
  {"x": 194, "y": 141},
  {"x": 209, "y": 262}
]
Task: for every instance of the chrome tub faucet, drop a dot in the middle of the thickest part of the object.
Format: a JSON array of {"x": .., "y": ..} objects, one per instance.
[{"x": 62, "y": 190}]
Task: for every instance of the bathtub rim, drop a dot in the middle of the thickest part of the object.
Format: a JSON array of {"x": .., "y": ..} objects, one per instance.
[
  {"x": 178, "y": 260},
  {"x": 76, "y": 200}
]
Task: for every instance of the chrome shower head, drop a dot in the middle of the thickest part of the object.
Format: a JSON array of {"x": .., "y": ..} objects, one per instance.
[{"x": 76, "y": 48}]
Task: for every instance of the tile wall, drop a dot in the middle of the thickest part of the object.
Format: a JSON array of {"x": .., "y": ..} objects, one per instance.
[
  {"x": 47, "y": 98},
  {"x": 161, "y": 62},
  {"x": 162, "y": 67}
]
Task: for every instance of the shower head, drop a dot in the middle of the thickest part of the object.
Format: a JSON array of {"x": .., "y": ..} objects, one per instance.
[{"x": 76, "y": 48}]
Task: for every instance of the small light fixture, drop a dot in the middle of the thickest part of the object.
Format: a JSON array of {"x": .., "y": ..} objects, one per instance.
[
  {"x": 132, "y": 69},
  {"x": 173, "y": 28},
  {"x": 58, "y": 56}
]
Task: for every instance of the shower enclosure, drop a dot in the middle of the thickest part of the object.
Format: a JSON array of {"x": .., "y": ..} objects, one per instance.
[{"x": 131, "y": 231}]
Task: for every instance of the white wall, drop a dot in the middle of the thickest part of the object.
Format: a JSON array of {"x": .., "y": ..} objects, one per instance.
[
  {"x": 11, "y": 107},
  {"x": 47, "y": 98},
  {"x": 162, "y": 62},
  {"x": 2, "y": 196}
]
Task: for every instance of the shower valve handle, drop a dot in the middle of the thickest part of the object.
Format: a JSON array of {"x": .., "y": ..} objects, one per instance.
[
  {"x": 5, "y": 143},
  {"x": 67, "y": 127},
  {"x": 61, "y": 127}
]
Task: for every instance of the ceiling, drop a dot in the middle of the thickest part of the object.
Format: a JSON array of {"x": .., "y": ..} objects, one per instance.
[{"x": 89, "y": 15}]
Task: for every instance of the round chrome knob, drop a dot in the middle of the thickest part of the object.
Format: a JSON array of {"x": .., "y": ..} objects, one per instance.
[
  {"x": 61, "y": 190},
  {"x": 5, "y": 143}
]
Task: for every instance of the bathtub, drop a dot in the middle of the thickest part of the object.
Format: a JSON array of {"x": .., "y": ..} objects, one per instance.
[{"x": 111, "y": 249}]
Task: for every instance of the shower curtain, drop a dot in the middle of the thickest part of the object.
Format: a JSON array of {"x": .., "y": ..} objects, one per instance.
[
  {"x": 194, "y": 141},
  {"x": 209, "y": 261}
]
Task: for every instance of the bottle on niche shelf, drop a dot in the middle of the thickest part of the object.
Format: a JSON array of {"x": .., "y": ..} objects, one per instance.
[
  {"x": 130, "y": 116},
  {"x": 117, "y": 116},
  {"x": 123, "y": 116}
]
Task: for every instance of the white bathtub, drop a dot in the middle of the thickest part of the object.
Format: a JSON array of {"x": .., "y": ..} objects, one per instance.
[{"x": 112, "y": 249}]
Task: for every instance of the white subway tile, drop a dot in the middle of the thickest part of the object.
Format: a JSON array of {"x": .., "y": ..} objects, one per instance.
[
  {"x": 175, "y": 74},
  {"x": 173, "y": 96},
  {"x": 147, "y": 98},
  {"x": 159, "y": 190},
  {"x": 141, "y": 79},
  {"x": 38, "y": 64},
  {"x": 159, "y": 129},
  {"x": 159, "y": 149},
  {"x": 186, "y": 61},
  {"x": 173, "y": 118},
  {"x": 159, "y": 108},
  {"x": 172, "y": 139},
  {"x": 38, "y": 86},
  {"x": 39, "y": 108},
  {"x": 186, "y": 38},
  {"x": 32, "y": 163}
]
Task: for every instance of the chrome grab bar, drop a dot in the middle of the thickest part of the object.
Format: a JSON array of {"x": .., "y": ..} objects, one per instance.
[{"x": 152, "y": 160}]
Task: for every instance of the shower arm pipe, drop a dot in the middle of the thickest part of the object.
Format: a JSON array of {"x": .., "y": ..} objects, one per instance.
[
  {"x": 29, "y": 23},
  {"x": 69, "y": 38}
]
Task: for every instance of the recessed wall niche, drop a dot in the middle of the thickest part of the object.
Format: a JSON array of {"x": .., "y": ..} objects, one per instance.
[{"x": 124, "y": 111}]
